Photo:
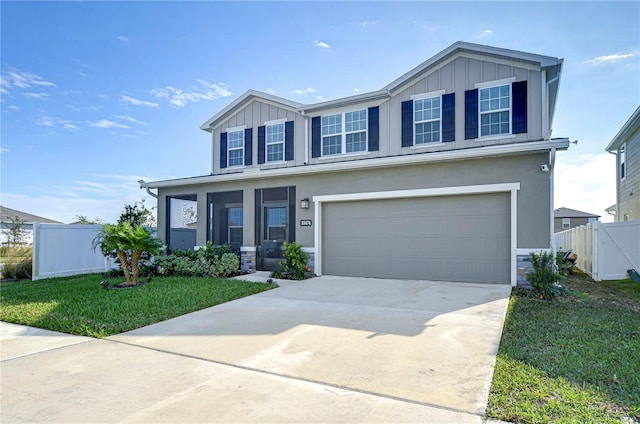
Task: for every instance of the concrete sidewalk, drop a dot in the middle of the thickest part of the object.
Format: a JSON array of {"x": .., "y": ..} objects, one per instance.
[{"x": 327, "y": 349}]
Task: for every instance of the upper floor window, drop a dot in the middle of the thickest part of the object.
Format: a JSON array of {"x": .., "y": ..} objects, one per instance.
[
  {"x": 275, "y": 142},
  {"x": 495, "y": 110},
  {"x": 427, "y": 120},
  {"x": 344, "y": 132},
  {"x": 235, "y": 223},
  {"x": 235, "y": 148},
  {"x": 566, "y": 223},
  {"x": 623, "y": 171}
]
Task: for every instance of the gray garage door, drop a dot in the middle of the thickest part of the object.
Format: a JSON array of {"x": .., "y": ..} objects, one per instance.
[{"x": 449, "y": 238}]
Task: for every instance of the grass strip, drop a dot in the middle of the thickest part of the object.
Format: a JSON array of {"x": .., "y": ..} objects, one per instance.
[{"x": 79, "y": 305}]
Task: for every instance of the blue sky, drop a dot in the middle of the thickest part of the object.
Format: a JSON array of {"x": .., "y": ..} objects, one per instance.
[{"x": 97, "y": 95}]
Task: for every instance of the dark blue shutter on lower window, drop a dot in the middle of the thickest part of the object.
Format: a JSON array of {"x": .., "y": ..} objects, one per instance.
[
  {"x": 223, "y": 150},
  {"x": 316, "y": 137},
  {"x": 261, "y": 144},
  {"x": 288, "y": 140},
  {"x": 374, "y": 129},
  {"x": 248, "y": 146},
  {"x": 407, "y": 123},
  {"x": 471, "y": 114},
  {"x": 519, "y": 111},
  {"x": 449, "y": 117}
]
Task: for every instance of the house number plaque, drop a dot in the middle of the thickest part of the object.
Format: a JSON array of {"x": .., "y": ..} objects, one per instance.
[{"x": 305, "y": 223}]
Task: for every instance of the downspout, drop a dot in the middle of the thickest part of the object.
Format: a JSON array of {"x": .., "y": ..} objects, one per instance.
[
  {"x": 149, "y": 192},
  {"x": 306, "y": 137},
  {"x": 552, "y": 163},
  {"x": 616, "y": 216}
]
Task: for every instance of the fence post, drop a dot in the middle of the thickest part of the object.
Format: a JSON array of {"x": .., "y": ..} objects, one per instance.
[{"x": 35, "y": 269}]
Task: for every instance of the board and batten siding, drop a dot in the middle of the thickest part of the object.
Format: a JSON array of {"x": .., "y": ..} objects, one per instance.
[
  {"x": 629, "y": 188},
  {"x": 254, "y": 115}
]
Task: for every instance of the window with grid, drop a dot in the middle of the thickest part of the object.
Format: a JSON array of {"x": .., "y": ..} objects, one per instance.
[
  {"x": 495, "y": 110},
  {"x": 275, "y": 142},
  {"x": 427, "y": 120},
  {"x": 235, "y": 148},
  {"x": 235, "y": 221},
  {"x": 566, "y": 222},
  {"x": 344, "y": 133}
]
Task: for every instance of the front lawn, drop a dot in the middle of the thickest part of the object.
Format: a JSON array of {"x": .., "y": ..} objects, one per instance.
[
  {"x": 80, "y": 305},
  {"x": 572, "y": 360}
]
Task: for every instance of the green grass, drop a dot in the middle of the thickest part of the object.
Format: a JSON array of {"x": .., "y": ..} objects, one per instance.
[
  {"x": 79, "y": 305},
  {"x": 573, "y": 360}
]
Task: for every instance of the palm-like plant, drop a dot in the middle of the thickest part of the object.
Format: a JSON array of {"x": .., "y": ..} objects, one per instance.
[{"x": 127, "y": 241}]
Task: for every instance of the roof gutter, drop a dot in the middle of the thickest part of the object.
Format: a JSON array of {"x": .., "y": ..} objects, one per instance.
[
  {"x": 149, "y": 192},
  {"x": 400, "y": 160}
]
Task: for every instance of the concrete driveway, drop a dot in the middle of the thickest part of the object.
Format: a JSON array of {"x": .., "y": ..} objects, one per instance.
[{"x": 329, "y": 349}]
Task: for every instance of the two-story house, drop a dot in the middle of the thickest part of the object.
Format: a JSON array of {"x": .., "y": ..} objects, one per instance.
[
  {"x": 445, "y": 174},
  {"x": 626, "y": 146},
  {"x": 565, "y": 219}
]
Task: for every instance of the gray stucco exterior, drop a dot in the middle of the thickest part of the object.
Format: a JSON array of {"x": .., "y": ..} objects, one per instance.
[{"x": 518, "y": 164}]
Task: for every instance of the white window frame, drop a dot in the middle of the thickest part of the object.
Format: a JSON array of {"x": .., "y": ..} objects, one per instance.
[
  {"x": 229, "y": 149},
  {"x": 343, "y": 133},
  {"x": 487, "y": 86},
  {"x": 566, "y": 223},
  {"x": 623, "y": 162},
  {"x": 267, "y": 125},
  {"x": 427, "y": 96}
]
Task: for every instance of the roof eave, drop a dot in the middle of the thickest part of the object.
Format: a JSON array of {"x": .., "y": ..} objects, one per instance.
[{"x": 632, "y": 125}]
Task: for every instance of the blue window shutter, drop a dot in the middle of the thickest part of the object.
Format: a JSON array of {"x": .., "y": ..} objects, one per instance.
[
  {"x": 248, "y": 146},
  {"x": 223, "y": 150},
  {"x": 407, "y": 123},
  {"x": 519, "y": 111},
  {"x": 316, "y": 137},
  {"x": 261, "y": 144},
  {"x": 449, "y": 117},
  {"x": 224, "y": 226},
  {"x": 471, "y": 114},
  {"x": 374, "y": 128},
  {"x": 288, "y": 140}
]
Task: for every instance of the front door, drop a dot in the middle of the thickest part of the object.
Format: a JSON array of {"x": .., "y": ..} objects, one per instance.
[{"x": 275, "y": 215}]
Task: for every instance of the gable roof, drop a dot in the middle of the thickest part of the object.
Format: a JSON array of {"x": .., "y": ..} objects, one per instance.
[
  {"x": 632, "y": 125},
  {"x": 28, "y": 218},
  {"x": 572, "y": 213},
  {"x": 215, "y": 119}
]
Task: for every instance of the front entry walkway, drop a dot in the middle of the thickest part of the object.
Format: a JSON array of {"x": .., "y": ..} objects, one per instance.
[{"x": 325, "y": 349}]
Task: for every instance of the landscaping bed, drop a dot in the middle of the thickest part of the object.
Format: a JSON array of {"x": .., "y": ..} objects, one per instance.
[
  {"x": 80, "y": 305},
  {"x": 573, "y": 359}
]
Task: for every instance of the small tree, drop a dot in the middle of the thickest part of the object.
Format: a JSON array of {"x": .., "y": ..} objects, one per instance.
[
  {"x": 128, "y": 243},
  {"x": 82, "y": 219},
  {"x": 138, "y": 215},
  {"x": 15, "y": 232}
]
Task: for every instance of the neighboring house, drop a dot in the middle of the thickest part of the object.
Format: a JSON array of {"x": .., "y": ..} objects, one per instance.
[
  {"x": 626, "y": 146},
  {"x": 565, "y": 218},
  {"x": 8, "y": 214},
  {"x": 444, "y": 174}
]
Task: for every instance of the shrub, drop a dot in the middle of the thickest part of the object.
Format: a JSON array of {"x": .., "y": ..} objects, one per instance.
[
  {"x": 213, "y": 261},
  {"x": 295, "y": 262},
  {"x": 16, "y": 268},
  {"x": 545, "y": 276}
]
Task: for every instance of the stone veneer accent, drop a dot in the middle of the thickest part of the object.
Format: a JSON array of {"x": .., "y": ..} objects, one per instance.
[
  {"x": 524, "y": 267},
  {"x": 247, "y": 259}
]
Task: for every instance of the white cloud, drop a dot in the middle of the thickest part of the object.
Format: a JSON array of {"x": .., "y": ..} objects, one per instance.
[
  {"x": 105, "y": 123},
  {"x": 137, "y": 102},
  {"x": 585, "y": 182},
  {"x": 22, "y": 80},
  {"x": 485, "y": 33},
  {"x": 321, "y": 44},
  {"x": 301, "y": 91},
  {"x": 365, "y": 24},
  {"x": 13, "y": 107},
  {"x": 321, "y": 99},
  {"x": 102, "y": 196},
  {"x": 206, "y": 91},
  {"x": 130, "y": 119},
  {"x": 36, "y": 95},
  {"x": 4, "y": 150},
  {"x": 357, "y": 90},
  {"x": 611, "y": 58},
  {"x": 52, "y": 122},
  {"x": 270, "y": 91},
  {"x": 123, "y": 38}
]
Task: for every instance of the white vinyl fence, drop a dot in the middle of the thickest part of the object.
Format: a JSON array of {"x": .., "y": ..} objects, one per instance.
[
  {"x": 605, "y": 250},
  {"x": 60, "y": 250}
]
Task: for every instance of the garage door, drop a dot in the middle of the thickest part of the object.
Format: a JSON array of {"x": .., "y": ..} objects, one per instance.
[{"x": 449, "y": 238}]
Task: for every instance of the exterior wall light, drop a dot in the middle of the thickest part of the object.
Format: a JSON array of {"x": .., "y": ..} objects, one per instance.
[{"x": 304, "y": 203}]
